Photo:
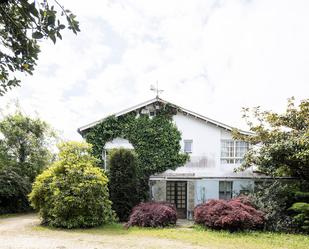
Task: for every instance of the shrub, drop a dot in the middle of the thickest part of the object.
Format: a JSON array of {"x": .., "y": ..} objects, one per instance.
[
  {"x": 14, "y": 189},
  {"x": 72, "y": 192},
  {"x": 302, "y": 196},
  {"x": 274, "y": 199},
  {"x": 122, "y": 184},
  {"x": 153, "y": 214},
  {"x": 302, "y": 216},
  {"x": 231, "y": 215}
]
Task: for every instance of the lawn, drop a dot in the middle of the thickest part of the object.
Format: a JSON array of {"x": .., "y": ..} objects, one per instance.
[
  {"x": 208, "y": 238},
  {"x": 22, "y": 231}
]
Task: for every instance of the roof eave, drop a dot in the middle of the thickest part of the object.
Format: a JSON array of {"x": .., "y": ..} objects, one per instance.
[{"x": 123, "y": 112}]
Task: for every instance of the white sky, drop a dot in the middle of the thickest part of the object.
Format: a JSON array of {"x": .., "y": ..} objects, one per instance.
[{"x": 212, "y": 57}]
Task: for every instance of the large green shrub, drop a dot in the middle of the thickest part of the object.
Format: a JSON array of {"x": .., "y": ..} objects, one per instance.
[
  {"x": 274, "y": 199},
  {"x": 13, "y": 191},
  {"x": 300, "y": 210},
  {"x": 72, "y": 192},
  {"x": 122, "y": 185},
  {"x": 302, "y": 215}
]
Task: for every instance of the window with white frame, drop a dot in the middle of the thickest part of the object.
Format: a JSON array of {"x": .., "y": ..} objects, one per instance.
[
  {"x": 233, "y": 151},
  {"x": 188, "y": 146}
]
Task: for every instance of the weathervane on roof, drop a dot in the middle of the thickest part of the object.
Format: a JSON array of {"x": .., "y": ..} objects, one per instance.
[{"x": 156, "y": 89}]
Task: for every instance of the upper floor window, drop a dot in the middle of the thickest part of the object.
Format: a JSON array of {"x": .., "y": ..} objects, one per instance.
[
  {"x": 233, "y": 151},
  {"x": 188, "y": 146}
]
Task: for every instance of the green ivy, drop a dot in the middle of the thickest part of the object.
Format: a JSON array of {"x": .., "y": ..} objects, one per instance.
[{"x": 156, "y": 141}]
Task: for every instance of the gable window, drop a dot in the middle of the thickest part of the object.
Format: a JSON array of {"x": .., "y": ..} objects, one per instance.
[
  {"x": 188, "y": 146},
  {"x": 225, "y": 190},
  {"x": 233, "y": 151}
]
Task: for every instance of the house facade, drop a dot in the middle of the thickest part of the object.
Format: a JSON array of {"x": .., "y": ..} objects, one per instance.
[{"x": 209, "y": 174}]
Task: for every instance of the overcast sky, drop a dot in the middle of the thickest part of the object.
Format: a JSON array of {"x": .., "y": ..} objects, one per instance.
[{"x": 211, "y": 57}]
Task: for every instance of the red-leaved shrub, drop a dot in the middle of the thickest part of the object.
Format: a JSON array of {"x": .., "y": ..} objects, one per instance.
[
  {"x": 152, "y": 214},
  {"x": 235, "y": 214}
]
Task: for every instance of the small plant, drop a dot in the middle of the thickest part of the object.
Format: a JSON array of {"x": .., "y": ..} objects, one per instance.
[
  {"x": 233, "y": 215},
  {"x": 72, "y": 192},
  {"x": 153, "y": 214}
]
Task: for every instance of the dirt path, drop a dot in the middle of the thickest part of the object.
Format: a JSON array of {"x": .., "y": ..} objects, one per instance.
[{"x": 20, "y": 233}]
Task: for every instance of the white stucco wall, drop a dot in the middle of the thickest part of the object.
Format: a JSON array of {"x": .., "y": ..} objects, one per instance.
[
  {"x": 205, "y": 159},
  {"x": 118, "y": 143},
  {"x": 206, "y": 148},
  {"x": 205, "y": 136}
]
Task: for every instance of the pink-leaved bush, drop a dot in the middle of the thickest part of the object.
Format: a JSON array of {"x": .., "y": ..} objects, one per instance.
[
  {"x": 233, "y": 215},
  {"x": 152, "y": 214}
]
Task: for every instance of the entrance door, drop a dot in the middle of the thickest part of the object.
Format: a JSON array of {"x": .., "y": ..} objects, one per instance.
[{"x": 176, "y": 193}]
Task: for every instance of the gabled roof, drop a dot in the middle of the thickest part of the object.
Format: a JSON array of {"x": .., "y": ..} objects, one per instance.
[{"x": 181, "y": 109}]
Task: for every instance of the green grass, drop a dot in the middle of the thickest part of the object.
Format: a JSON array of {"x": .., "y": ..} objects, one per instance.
[
  {"x": 207, "y": 238},
  {"x": 217, "y": 239}
]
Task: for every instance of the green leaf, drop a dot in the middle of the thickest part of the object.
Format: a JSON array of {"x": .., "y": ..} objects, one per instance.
[
  {"x": 37, "y": 35},
  {"x": 32, "y": 9},
  {"x": 59, "y": 35},
  {"x": 51, "y": 20}
]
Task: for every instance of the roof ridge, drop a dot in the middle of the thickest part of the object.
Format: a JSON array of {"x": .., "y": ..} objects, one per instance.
[{"x": 157, "y": 98}]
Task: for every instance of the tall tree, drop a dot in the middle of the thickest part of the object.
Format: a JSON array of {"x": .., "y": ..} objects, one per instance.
[
  {"x": 24, "y": 153},
  {"x": 25, "y": 144},
  {"x": 282, "y": 140},
  {"x": 123, "y": 182},
  {"x": 22, "y": 24}
]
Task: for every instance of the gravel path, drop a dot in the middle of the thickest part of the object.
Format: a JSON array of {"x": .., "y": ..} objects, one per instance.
[{"x": 19, "y": 233}]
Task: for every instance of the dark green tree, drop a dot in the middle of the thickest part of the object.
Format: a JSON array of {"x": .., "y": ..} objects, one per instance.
[
  {"x": 282, "y": 149},
  {"x": 282, "y": 141},
  {"x": 14, "y": 189},
  {"x": 24, "y": 152},
  {"x": 22, "y": 24},
  {"x": 25, "y": 144},
  {"x": 122, "y": 182}
]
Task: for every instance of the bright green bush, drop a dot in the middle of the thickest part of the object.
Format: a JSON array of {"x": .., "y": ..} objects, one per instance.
[
  {"x": 123, "y": 182},
  {"x": 302, "y": 215},
  {"x": 72, "y": 192}
]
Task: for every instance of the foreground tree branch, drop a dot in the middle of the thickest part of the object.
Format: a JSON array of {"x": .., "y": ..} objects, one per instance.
[{"x": 22, "y": 24}]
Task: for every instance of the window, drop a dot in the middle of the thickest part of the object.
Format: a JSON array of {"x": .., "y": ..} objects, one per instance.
[
  {"x": 188, "y": 146},
  {"x": 233, "y": 151},
  {"x": 225, "y": 190}
]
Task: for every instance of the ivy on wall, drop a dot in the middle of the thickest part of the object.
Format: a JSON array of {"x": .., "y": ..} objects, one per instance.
[{"x": 156, "y": 141}]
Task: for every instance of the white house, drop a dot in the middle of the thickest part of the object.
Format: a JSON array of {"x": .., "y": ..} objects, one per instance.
[{"x": 213, "y": 157}]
